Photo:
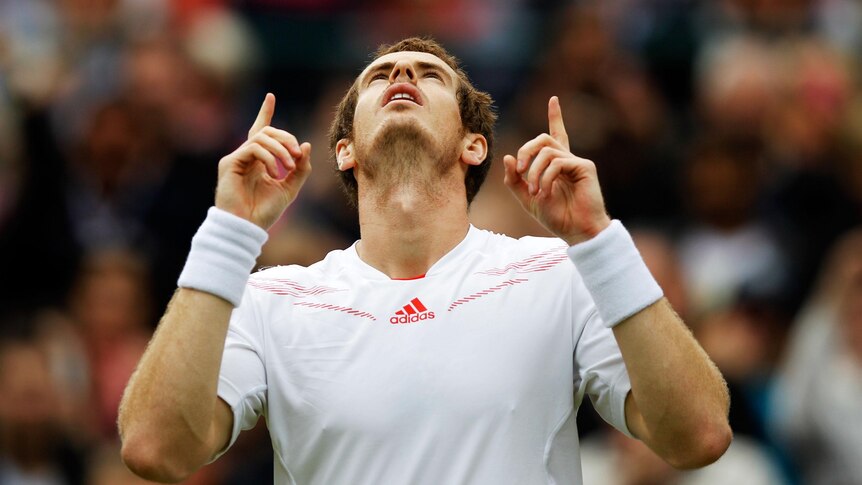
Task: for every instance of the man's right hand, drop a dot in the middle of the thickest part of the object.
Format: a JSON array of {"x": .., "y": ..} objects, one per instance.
[{"x": 263, "y": 176}]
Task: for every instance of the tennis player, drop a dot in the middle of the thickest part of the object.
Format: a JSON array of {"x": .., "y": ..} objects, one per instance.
[{"x": 430, "y": 351}]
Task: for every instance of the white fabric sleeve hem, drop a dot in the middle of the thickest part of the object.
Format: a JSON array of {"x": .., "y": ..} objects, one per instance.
[
  {"x": 223, "y": 253},
  {"x": 615, "y": 274},
  {"x": 620, "y": 390},
  {"x": 228, "y": 393}
]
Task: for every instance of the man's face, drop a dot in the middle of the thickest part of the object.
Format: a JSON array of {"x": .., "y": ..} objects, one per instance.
[{"x": 413, "y": 94}]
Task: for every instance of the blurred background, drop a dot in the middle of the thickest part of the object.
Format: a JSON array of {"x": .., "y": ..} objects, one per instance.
[{"x": 727, "y": 134}]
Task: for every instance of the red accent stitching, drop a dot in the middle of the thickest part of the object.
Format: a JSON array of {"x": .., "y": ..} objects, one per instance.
[
  {"x": 484, "y": 292},
  {"x": 533, "y": 264},
  {"x": 329, "y": 306},
  {"x": 285, "y": 287}
]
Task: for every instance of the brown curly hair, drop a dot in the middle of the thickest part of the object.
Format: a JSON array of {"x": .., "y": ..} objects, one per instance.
[{"x": 477, "y": 114}]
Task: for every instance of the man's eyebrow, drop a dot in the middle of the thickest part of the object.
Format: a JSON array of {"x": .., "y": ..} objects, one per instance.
[
  {"x": 431, "y": 66},
  {"x": 383, "y": 66}
]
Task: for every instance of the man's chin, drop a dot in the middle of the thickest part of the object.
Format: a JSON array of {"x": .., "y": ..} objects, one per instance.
[
  {"x": 400, "y": 119},
  {"x": 402, "y": 133}
]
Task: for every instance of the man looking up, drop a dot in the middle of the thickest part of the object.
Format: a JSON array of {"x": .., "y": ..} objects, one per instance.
[{"x": 430, "y": 351}]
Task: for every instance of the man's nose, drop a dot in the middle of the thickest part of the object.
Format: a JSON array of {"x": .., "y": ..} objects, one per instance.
[{"x": 402, "y": 72}]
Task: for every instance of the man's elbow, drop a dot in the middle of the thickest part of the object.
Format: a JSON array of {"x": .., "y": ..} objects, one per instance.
[
  {"x": 706, "y": 447},
  {"x": 151, "y": 460}
]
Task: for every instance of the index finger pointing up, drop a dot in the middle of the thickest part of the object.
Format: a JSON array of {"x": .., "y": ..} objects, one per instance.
[
  {"x": 557, "y": 129},
  {"x": 264, "y": 116}
]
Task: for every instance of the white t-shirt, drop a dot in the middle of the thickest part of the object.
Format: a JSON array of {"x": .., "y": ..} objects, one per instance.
[{"x": 471, "y": 374}]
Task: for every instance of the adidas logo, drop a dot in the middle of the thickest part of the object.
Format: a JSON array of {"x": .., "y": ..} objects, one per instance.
[{"x": 412, "y": 312}]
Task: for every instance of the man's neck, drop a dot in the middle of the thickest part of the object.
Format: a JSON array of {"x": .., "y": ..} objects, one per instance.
[{"x": 405, "y": 233}]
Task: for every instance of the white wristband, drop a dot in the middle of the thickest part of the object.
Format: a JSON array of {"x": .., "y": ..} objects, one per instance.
[
  {"x": 615, "y": 274},
  {"x": 224, "y": 251}
]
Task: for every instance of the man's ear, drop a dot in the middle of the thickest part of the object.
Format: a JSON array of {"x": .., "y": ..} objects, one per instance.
[
  {"x": 344, "y": 154},
  {"x": 475, "y": 149}
]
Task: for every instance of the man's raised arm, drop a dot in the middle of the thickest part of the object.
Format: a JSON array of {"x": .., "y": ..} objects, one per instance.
[
  {"x": 171, "y": 420},
  {"x": 679, "y": 403}
]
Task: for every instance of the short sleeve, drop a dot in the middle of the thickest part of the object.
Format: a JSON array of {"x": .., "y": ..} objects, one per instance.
[
  {"x": 242, "y": 378},
  {"x": 600, "y": 371}
]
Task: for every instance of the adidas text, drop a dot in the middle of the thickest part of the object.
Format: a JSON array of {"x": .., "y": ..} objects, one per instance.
[{"x": 412, "y": 318}]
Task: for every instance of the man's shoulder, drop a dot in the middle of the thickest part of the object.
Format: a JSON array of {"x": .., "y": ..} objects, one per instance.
[
  {"x": 325, "y": 269},
  {"x": 501, "y": 243},
  {"x": 499, "y": 254}
]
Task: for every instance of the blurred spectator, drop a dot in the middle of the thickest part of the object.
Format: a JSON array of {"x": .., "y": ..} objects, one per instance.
[
  {"x": 814, "y": 95},
  {"x": 35, "y": 446},
  {"x": 737, "y": 83},
  {"x": 66, "y": 352},
  {"x": 110, "y": 303},
  {"x": 115, "y": 173},
  {"x": 820, "y": 384},
  {"x": 221, "y": 43},
  {"x": 726, "y": 247},
  {"x": 804, "y": 139}
]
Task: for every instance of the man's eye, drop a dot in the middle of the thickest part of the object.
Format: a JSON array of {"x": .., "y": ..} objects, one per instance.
[
  {"x": 434, "y": 75},
  {"x": 379, "y": 75}
]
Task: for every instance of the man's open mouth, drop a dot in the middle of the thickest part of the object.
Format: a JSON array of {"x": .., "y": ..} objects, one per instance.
[{"x": 402, "y": 92}]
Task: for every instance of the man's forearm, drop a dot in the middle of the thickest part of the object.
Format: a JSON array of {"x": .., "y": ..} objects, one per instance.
[
  {"x": 166, "y": 416},
  {"x": 679, "y": 401}
]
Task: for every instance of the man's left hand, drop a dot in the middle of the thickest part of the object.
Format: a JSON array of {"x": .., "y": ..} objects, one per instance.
[{"x": 557, "y": 188}]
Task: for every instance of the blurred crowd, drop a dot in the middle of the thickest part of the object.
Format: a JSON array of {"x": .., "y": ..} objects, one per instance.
[{"x": 727, "y": 135}]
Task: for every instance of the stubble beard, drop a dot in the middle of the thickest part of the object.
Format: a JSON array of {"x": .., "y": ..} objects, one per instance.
[{"x": 404, "y": 158}]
